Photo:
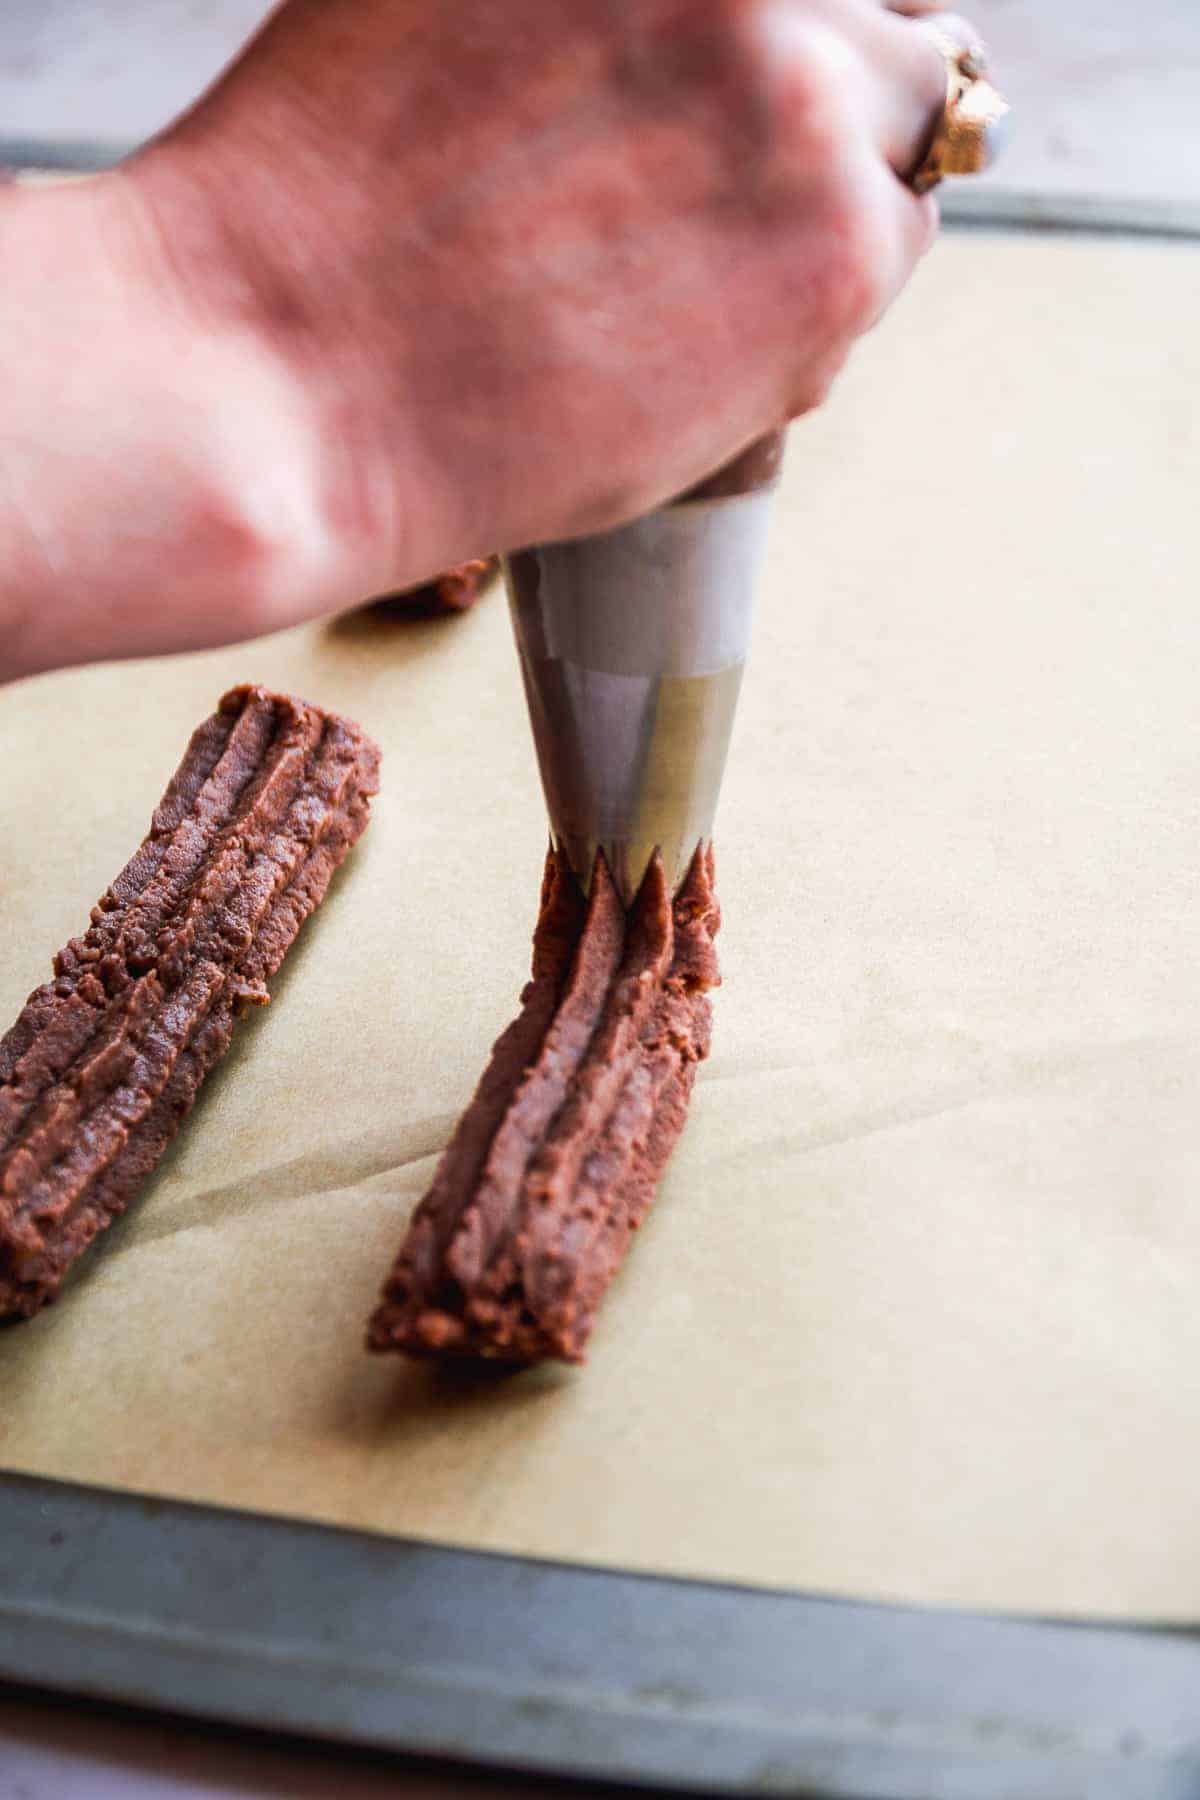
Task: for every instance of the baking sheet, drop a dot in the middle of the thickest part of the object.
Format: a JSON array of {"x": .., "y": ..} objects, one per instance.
[
  {"x": 915, "y": 1315},
  {"x": 1087, "y": 78}
]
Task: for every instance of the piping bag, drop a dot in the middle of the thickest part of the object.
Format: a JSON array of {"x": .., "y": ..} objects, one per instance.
[
  {"x": 632, "y": 646},
  {"x": 633, "y": 642}
]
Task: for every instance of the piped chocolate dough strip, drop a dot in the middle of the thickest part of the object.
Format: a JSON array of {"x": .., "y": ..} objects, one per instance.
[
  {"x": 555, "y": 1163},
  {"x": 106, "y": 1060},
  {"x": 454, "y": 591}
]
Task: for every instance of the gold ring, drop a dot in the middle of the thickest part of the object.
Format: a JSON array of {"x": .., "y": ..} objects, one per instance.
[{"x": 970, "y": 131}]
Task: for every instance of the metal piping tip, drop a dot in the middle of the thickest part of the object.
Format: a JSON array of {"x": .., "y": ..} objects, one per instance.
[{"x": 632, "y": 646}]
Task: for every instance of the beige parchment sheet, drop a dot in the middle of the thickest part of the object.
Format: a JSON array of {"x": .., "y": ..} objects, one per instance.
[{"x": 918, "y": 1311}]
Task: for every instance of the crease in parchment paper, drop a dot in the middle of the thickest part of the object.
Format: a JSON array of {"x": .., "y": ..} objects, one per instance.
[
  {"x": 210, "y": 1208},
  {"x": 340, "y": 1168},
  {"x": 1038, "y": 1072}
]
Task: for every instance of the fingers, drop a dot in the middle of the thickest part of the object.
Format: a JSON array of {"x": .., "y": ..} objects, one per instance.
[
  {"x": 876, "y": 89},
  {"x": 881, "y": 243},
  {"x": 911, "y": 102},
  {"x": 912, "y": 225},
  {"x": 950, "y": 24},
  {"x": 906, "y": 44},
  {"x": 904, "y": 76}
]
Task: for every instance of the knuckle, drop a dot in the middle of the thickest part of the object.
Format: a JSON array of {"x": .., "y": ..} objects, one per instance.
[
  {"x": 812, "y": 72},
  {"x": 853, "y": 282}
]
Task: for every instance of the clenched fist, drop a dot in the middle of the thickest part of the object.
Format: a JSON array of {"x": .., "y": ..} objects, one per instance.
[{"x": 417, "y": 281}]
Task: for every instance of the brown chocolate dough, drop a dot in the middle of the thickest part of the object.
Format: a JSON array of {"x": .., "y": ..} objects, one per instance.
[
  {"x": 454, "y": 591},
  {"x": 555, "y": 1162},
  {"x": 758, "y": 466},
  {"x": 105, "y": 1061}
]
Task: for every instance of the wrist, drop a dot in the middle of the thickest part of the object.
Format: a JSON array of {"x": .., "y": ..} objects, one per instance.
[
  {"x": 159, "y": 470},
  {"x": 239, "y": 235}
]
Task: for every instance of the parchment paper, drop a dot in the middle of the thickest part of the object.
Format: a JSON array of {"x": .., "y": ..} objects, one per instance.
[{"x": 918, "y": 1311}]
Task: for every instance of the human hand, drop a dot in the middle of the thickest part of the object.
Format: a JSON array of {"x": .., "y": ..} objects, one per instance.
[{"x": 505, "y": 272}]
